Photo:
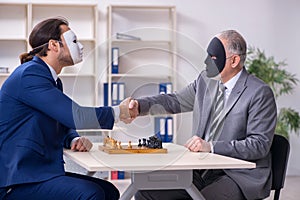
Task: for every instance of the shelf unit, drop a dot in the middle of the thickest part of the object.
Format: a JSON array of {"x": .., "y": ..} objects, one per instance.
[
  {"x": 17, "y": 18},
  {"x": 143, "y": 64}
]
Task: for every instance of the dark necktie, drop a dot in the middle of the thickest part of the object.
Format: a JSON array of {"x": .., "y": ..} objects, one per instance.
[
  {"x": 59, "y": 84},
  {"x": 216, "y": 120}
]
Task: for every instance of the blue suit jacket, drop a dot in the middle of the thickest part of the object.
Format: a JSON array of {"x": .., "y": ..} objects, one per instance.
[{"x": 36, "y": 121}]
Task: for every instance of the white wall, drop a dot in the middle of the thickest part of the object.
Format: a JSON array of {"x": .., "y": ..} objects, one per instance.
[{"x": 271, "y": 25}]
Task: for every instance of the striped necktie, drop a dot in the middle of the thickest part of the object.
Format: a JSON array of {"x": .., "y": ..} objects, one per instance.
[{"x": 216, "y": 120}]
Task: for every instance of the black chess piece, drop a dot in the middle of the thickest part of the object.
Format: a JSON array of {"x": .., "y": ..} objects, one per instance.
[
  {"x": 144, "y": 142},
  {"x": 140, "y": 144},
  {"x": 154, "y": 142}
]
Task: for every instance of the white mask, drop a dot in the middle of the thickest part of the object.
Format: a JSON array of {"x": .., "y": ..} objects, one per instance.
[{"x": 75, "y": 47}]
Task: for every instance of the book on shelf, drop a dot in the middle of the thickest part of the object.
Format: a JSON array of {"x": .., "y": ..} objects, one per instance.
[{"x": 117, "y": 93}]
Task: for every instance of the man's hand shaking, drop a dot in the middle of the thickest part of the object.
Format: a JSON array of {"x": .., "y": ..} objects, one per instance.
[{"x": 129, "y": 110}]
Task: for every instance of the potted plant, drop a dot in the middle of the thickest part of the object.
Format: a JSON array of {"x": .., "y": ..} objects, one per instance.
[{"x": 281, "y": 82}]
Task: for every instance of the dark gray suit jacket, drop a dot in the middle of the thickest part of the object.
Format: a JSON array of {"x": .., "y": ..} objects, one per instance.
[{"x": 248, "y": 129}]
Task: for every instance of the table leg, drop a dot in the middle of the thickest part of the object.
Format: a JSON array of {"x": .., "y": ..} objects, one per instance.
[
  {"x": 194, "y": 192},
  {"x": 129, "y": 193},
  {"x": 162, "y": 180}
]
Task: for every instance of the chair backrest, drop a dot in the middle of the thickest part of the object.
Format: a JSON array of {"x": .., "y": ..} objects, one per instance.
[{"x": 280, "y": 150}]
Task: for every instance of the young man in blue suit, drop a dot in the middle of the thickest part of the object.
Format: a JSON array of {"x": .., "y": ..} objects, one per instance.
[
  {"x": 238, "y": 122},
  {"x": 37, "y": 120}
]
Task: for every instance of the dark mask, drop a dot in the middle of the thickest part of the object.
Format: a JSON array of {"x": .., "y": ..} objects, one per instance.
[{"x": 215, "y": 66}]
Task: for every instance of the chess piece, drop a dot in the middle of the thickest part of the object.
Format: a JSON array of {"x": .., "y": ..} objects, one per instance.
[
  {"x": 129, "y": 145},
  {"x": 144, "y": 142},
  {"x": 119, "y": 145},
  {"x": 140, "y": 144},
  {"x": 154, "y": 142},
  {"x": 113, "y": 143}
]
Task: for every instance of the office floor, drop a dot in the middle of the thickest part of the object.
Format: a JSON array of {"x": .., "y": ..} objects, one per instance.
[
  {"x": 291, "y": 189},
  {"x": 289, "y": 192}
]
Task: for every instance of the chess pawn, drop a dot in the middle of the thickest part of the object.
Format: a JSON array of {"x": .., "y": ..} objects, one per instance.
[
  {"x": 140, "y": 144},
  {"x": 129, "y": 145},
  {"x": 114, "y": 144},
  {"x": 119, "y": 145},
  {"x": 106, "y": 140}
]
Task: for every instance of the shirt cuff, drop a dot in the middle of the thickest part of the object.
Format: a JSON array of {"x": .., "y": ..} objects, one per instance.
[
  {"x": 74, "y": 140},
  {"x": 211, "y": 147},
  {"x": 116, "y": 113}
]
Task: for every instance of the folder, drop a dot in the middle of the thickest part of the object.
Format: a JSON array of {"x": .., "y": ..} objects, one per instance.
[
  {"x": 117, "y": 93},
  {"x": 115, "y": 60},
  {"x": 165, "y": 88},
  {"x": 121, "y": 92},
  {"x": 114, "y": 95},
  {"x": 163, "y": 127},
  {"x": 121, "y": 174},
  {"x": 169, "y": 129},
  {"x": 105, "y": 94},
  {"x": 159, "y": 128},
  {"x": 114, "y": 175}
]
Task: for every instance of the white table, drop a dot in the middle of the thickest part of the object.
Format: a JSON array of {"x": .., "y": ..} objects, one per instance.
[{"x": 173, "y": 170}]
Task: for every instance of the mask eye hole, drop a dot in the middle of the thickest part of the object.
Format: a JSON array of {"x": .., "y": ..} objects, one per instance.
[
  {"x": 213, "y": 57},
  {"x": 75, "y": 41}
]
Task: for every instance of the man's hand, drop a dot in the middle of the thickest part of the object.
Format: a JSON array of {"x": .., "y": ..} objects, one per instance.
[
  {"x": 126, "y": 115},
  {"x": 133, "y": 108},
  {"x": 196, "y": 144},
  {"x": 81, "y": 144}
]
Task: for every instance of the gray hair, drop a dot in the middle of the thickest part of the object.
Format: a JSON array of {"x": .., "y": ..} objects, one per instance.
[{"x": 235, "y": 43}]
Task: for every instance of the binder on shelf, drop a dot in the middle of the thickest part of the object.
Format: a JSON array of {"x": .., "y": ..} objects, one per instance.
[
  {"x": 115, "y": 60},
  {"x": 114, "y": 94},
  {"x": 169, "y": 129},
  {"x": 114, "y": 175},
  {"x": 163, "y": 127},
  {"x": 121, "y": 92},
  {"x": 165, "y": 88},
  {"x": 117, "y": 93},
  {"x": 121, "y": 174},
  {"x": 105, "y": 94}
]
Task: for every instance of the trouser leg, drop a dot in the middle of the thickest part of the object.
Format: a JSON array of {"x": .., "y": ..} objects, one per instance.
[{"x": 69, "y": 187}]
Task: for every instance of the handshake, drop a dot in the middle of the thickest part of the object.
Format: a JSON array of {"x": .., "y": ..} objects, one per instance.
[{"x": 129, "y": 110}]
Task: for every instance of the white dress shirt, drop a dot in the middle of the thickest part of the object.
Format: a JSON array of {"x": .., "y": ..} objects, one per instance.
[{"x": 229, "y": 86}]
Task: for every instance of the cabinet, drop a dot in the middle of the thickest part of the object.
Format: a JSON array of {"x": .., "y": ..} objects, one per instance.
[
  {"x": 145, "y": 58},
  {"x": 17, "y": 20}
]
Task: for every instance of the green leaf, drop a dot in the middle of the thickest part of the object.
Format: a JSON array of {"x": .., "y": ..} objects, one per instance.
[{"x": 281, "y": 82}]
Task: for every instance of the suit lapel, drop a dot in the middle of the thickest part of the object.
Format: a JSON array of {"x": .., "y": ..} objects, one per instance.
[
  {"x": 236, "y": 92},
  {"x": 208, "y": 100},
  {"x": 42, "y": 63}
]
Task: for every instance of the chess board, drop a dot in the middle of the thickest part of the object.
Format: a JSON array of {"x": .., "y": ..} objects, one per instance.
[{"x": 124, "y": 149}]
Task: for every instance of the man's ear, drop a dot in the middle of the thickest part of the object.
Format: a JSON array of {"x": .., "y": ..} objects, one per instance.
[
  {"x": 53, "y": 45},
  {"x": 235, "y": 61}
]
